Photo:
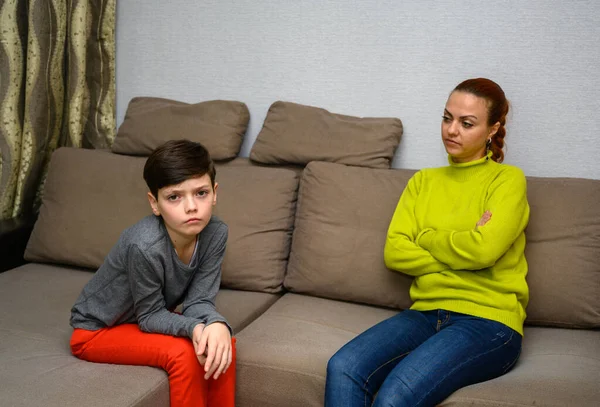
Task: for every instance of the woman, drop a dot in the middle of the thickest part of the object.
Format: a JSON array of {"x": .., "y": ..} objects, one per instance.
[{"x": 459, "y": 230}]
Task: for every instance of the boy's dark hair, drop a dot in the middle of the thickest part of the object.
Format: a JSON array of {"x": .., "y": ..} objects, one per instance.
[{"x": 175, "y": 162}]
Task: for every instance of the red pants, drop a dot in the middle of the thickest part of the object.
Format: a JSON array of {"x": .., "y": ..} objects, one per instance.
[{"x": 127, "y": 345}]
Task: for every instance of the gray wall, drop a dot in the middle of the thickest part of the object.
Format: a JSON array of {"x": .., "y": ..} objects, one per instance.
[{"x": 380, "y": 58}]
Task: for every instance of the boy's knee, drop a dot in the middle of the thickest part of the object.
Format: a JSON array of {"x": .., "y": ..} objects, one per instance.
[{"x": 181, "y": 349}]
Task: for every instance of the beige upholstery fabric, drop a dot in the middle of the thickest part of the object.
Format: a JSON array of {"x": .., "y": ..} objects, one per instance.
[
  {"x": 341, "y": 224},
  {"x": 563, "y": 252},
  {"x": 85, "y": 211},
  {"x": 258, "y": 204},
  {"x": 240, "y": 308},
  {"x": 48, "y": 306},
  {"x": 298, "y": 134},
  {"x": 219, "y": 125},
  {"x": 282, "y": 356},
  {"x": 557, "y": 368},
  {"x": 37, "y": 368},
  {"x": 90, "y": 197},
  {"x": 342, "y": 219}
]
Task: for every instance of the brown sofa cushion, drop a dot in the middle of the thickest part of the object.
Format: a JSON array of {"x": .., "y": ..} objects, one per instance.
[
  {"x": 341, "y": 224},
  {"x": 282, "y": 358},
  {"x": 557, "y": 367},
  {"x": 240, "y": 308},
  {"x": 298, "y": 134},
  {"x": 258, "y": 204},
  {"x": 36, "y": 364},
  {"x": 91, "y": 196},
  {"x": 342, "y": 219},
  {"x": 563, "y": 252},
  {"x": 219, "y": 125}
]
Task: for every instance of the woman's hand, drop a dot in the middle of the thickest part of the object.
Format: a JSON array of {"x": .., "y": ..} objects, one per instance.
[
  {"x": 485, "y": 218},
  {"x": 214, "y": 349}
]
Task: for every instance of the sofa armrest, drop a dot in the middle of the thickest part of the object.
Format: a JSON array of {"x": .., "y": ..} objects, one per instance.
[{"x": 14, "y": 234}]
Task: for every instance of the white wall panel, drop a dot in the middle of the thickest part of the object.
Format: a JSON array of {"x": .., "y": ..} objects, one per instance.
[{"x": 380, "y": 58}]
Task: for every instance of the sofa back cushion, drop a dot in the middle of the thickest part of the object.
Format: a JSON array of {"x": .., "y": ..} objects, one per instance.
[
  {"x": 219, "y": 125},
  {"x": 259, "y": 205},
  {"x": 341, "y": 224},
  {"x": 297, "y": 134},
  {"x": 342, "y": 219},
  {"x": 563, "y": 252},
  {"x": 91, "y": 196}
]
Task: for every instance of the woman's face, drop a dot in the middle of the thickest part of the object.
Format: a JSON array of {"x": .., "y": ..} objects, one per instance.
[{"x": 465, "y": 129}]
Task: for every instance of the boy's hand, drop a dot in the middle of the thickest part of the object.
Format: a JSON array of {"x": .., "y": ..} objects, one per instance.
[
  {"x": 215, "y": 343},
  {"x": 487, "y": 215},
  {"x": 196, "y": 338}
]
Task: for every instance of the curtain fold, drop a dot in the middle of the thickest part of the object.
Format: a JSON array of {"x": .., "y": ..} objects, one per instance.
[{"x": 57, "y": 88}]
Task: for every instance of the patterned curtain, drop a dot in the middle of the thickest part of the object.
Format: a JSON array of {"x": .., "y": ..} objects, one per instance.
[{"x": 57, "y": 88}]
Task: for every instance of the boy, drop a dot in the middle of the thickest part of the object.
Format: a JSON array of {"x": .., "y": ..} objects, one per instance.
[{"x": 124, "y": 313}]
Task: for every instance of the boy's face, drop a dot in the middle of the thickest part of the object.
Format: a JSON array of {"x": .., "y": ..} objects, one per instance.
[{"x": 186, "y": 208}]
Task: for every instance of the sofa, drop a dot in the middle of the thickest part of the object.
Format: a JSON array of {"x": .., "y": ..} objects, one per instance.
[{"x": 303, "y": 272}]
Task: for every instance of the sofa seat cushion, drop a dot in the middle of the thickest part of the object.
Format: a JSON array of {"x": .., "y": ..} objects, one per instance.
[
  {"x": 36, "y": 365},
  {"x": 558, "y": 367},
  {"x": 240, "y": 308},
  {"x": 282, "y": 358}
]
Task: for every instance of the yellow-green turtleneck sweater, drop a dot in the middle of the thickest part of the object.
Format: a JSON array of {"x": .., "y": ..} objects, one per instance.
[{"x": 458, "y": 266}]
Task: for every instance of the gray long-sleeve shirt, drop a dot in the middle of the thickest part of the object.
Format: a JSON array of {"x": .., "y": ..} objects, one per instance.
[{"x": 142, "y": 279}]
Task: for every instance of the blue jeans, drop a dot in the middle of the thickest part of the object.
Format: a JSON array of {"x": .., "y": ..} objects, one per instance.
[{"x": 418, "y": 359}]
